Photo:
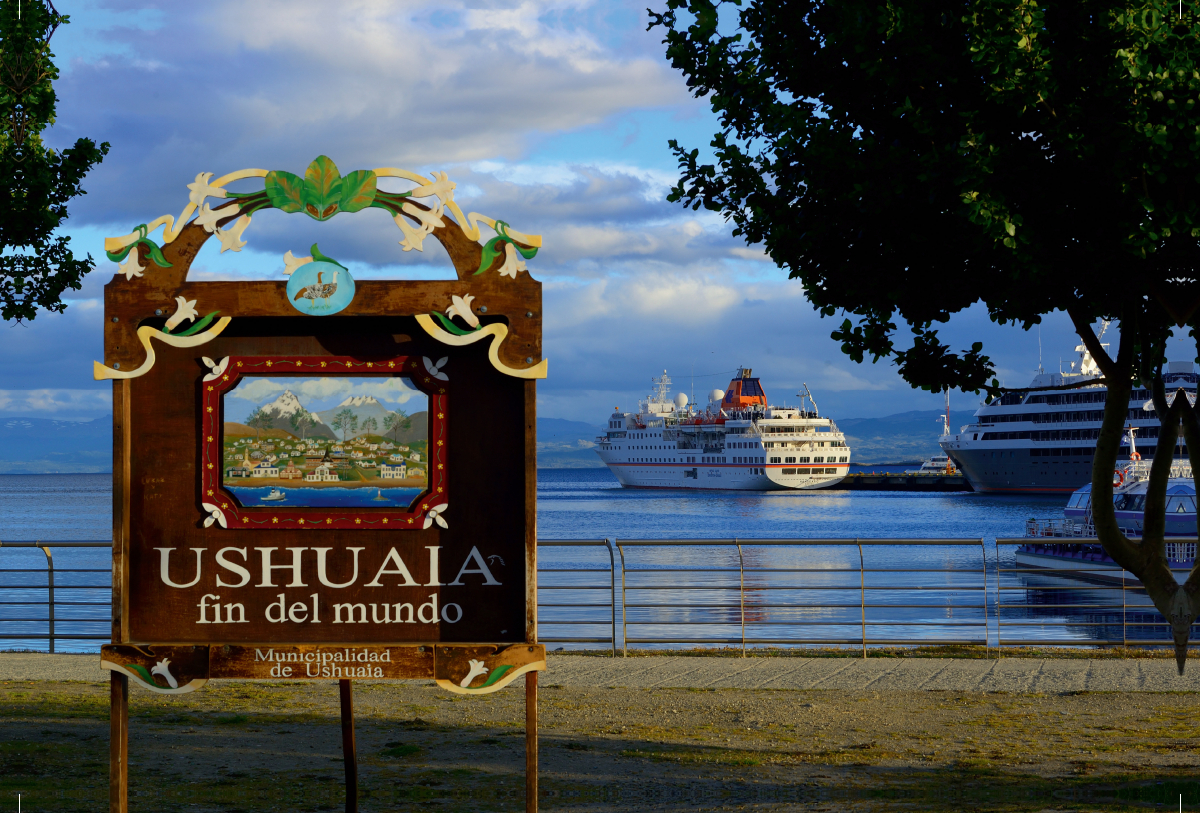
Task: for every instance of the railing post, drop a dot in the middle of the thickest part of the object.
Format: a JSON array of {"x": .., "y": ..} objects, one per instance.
[
  {"x": 999, "y": 645},
  {"x": 983, "y": 552},
  {"x": 1124, "y": 631},
  {"x": 741, "y": 593},
  {"x": 612, "y": 574},
  {"x": 50, "y": 590},
  {"x": 862, "y": 593},
  {"x": 624, "y": 621}
]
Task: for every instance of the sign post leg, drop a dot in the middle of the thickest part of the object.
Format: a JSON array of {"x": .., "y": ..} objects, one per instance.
[
  {"x": 118, "y": 751},
  {"x": 531, "y": 743},
  {"x": 349, "y": 753}
]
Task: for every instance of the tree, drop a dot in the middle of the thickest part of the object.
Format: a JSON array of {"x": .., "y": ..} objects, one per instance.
[
  {"x": 369, "y": 425},
  {"x": 907, "y": 159},
  {"x": 259, "y": 420},
  {"x": 397, "y": 422},
  {"x": 345, "y": 422},
  {"x": 36, "y": 182},
  {"x": 302, "y": 420}
]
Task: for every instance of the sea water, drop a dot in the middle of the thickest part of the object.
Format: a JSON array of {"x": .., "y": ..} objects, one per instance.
[
  {"x": 326, "y": 497},
  {"x": 688, "y": 592}
]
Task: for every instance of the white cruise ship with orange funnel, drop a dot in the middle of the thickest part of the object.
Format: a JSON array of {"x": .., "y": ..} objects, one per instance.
[{"x": 737, "y": 442}]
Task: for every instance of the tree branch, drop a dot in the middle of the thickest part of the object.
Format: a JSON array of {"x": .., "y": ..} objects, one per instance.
[{"x": 1083, "y": 326}]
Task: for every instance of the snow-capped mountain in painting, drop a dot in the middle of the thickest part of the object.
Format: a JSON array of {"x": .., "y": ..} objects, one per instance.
[{"x": 362, "y": 407}]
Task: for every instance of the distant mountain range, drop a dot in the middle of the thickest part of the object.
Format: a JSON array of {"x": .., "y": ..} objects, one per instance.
[
  {"x": 907, "y": 437},
  {"x": 362, "y": 407},
  {"x": 41, "y": 445},
  {"x": 47, "y": 446}
]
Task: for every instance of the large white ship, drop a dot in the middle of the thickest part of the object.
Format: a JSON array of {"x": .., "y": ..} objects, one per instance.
[
  {"x": 737, "y": 442},
  {"x": 1044, "y": 440}
]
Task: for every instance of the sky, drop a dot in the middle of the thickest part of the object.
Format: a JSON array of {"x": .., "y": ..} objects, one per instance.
[
  {"x": 552, "y": 115},
  {"x": 317, "y": 394}
]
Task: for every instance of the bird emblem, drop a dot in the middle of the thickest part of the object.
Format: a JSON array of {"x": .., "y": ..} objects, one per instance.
[{"x": 318, "y": 290}]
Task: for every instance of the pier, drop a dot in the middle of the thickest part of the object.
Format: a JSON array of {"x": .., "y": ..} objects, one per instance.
[{"x": 887, "y": 481}]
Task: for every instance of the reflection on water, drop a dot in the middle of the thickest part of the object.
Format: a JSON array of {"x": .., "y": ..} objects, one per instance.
[{"x": 677, "y": 595}]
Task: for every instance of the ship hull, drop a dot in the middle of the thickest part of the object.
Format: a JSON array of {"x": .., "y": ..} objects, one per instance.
[
  {"x": 725, "y": 477},
  {"x": 1014, "y": 470}
]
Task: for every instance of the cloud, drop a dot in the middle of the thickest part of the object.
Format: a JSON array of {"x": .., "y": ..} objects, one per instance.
[
  {"x": 393, "y": 391},
  {"x": 56, "y": 402},
  {"x": 226, "y": 85}
]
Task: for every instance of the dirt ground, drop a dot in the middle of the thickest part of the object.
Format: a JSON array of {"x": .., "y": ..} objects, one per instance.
[{"x": 237, "y": 746}]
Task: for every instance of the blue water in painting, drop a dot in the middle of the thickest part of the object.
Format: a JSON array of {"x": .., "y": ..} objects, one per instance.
[
  {"x": 664, "y": 592},
  {"x": 328, "y": 497}
]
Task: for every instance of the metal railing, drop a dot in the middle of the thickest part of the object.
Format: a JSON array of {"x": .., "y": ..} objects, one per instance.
[
  {"x": 794, "y": 609},
  {"x": 51, "y": 603},
  {"x": 741, "y": 593},
  {"x": 1054, "y": 585}
]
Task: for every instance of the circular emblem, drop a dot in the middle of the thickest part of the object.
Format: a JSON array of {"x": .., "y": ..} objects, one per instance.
[{"x": 320, "y": 288}]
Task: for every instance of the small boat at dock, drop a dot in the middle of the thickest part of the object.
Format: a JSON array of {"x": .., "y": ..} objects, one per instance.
[{"x": 1087, "y": 558}]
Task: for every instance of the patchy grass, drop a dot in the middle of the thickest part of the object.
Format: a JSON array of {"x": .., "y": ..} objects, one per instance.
[{"x": 255, "y": 748}]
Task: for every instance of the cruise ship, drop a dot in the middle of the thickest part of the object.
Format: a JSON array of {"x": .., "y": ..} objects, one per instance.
[
  {"x": 738, "y": 442},
  {"x": 1043, "y": 440}
]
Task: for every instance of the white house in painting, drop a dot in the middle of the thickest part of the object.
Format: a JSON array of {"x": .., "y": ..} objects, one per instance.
[
  {"x": 322, "y": 474},
  {"x": 265, "y": 469},
  {"x": 387, "y": 472},
  {"x": 415, "y": 457}
]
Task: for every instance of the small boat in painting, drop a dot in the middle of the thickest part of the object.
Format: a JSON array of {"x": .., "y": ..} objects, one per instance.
[{"x": 275, "y": 495}]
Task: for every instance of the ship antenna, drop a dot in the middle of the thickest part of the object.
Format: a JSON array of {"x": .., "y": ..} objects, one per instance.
[{"x": 1040, "y": 370}]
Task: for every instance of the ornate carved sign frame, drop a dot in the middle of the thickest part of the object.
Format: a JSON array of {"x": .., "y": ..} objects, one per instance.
[{"x": 285, "y": 452}]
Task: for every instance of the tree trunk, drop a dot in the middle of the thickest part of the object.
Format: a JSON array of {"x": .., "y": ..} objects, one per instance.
[{"x": 1146, "y": 558}]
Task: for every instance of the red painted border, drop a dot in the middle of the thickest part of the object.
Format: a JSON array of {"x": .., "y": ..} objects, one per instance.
[{"x": 212, "y": 444}]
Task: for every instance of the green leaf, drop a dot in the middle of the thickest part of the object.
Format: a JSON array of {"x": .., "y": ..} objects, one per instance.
[
  {"x": 449, "y": 326},
  {"x": 358, "y": 190},
  {"x": 318, "y": 256},
  {"x": 154, "y": 252},
  {"x": 491, "y": 250},
  {"x": 199, "y": 325},
  {"x": 323, "y": 182},
  {"x": 496, "y": 674},
  {"x": 141, "y": 670},
  {"x": 285, "y": 191}
]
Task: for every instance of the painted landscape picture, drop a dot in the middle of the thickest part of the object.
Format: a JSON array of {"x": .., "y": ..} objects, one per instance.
[{"x": 325, "y": 441}]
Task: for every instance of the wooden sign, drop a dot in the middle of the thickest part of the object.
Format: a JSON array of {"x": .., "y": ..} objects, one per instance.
[{"x": 287, "y": 451}]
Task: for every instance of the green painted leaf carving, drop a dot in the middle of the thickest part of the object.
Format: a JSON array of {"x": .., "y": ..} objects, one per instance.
[
  {"x": 322, "y": 192},
  {"x": 285, "y": 191},
  {"x": 322, "y": 185},
  {"x": 154, "y": 252},
  {"x": 200, "y": 325},
  {"x": 322, "y": 258},
  {"x": 496, "y": 674},
  {"x": 141, "y": 670},
  {"x": 358, "y": 190},
  {"x": 449, "y": 326},
  {"x": 491, "y": 250}
]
